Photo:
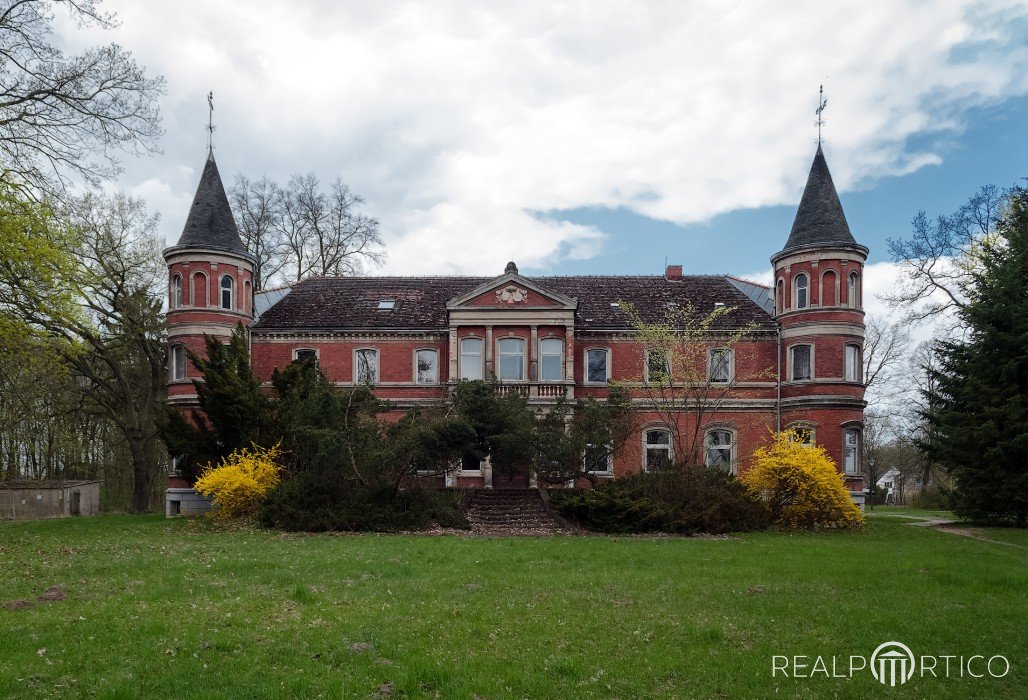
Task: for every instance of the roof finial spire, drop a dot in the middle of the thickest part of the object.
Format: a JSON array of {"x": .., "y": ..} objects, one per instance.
[
  {"x": 210, "y": 123},
  {"x": 821, "y": 104}
]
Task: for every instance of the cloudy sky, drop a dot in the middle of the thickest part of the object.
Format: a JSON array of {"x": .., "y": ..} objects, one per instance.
[{"x": 589, "y": 137}]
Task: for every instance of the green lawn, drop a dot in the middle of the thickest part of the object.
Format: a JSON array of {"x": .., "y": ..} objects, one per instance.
[{"x": 183, "y": 609}]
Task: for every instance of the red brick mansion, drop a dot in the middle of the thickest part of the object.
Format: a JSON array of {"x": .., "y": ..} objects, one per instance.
[{"x": 549, "y": 337}]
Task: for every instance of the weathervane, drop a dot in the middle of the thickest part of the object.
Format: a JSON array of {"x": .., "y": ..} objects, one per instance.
[
  {"x": 821, "y": 104},
  {"x": 210, "y": 122}
]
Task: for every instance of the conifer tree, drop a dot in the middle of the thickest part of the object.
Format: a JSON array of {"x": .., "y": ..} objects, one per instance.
[{"x": 980, "y": 407}]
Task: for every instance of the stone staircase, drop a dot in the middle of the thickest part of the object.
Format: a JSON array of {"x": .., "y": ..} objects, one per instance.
[{"x": 511, "y": 511}]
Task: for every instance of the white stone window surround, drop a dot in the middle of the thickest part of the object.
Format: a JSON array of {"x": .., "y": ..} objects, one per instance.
[
  {"x": 649, "y": 443},
  {"x": 511, "y": 350},
  {"x": 608, "y": 356},
  {"x": 463, "y": 365},
  {"x": 366, "y": 360},
  {"x": 433, "y": 378},
  {"x": 178, "y": 362},
  {"x": 852, "y": 362},
  {"x": 727, "y": 365},
  {"x": 790, "y": 353},
  {"x": 801, "y": 291},
  {"x": 298, "y": 351},
  {"x": 175, "y": 296},
  {"x": 227, "y": 292},
  {"x": 647, "y": 353},
  {"x": 551, "y": 341},
  {"x": 718, "y": 431}
]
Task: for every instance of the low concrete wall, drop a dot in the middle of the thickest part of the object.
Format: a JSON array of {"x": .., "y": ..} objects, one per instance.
[{"x": 185, "y": 501}]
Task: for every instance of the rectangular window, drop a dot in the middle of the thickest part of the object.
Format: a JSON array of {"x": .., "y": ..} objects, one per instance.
[
  {"x": 658, "y": 369},
  {"x": 719, "y": 449},
  {"x": 598, "y": 459},
  {"x": 427, "y": 366},
  {"x": 658, "y": 449},
  {"x": 551, "y": 360},
  {"x": 367, "y": 366},
  {"x": 851, "y": 448},
  {"x": 178, "y": 362},
  {"x": 596, "y": 366},
  {"x": 306, "y": 354},
  {"x": 512, "y": 359},
  {"x": 800, "y": 362},
  {"x": 720, "y": 366},
  {"x": 471, "y": 358},
  {"x": 852, "y": 363}
]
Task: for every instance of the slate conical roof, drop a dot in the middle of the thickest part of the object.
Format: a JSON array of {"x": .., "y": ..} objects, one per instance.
[
  {"x": 210, "y": 223},
  {"x": 820, "y": 220}
]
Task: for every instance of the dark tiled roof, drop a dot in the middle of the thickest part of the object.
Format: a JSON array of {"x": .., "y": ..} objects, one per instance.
[
  {"x": 210, "y": 223},
  {"x": 352, "y": 302},
  {"x": 819, "y": 218}
]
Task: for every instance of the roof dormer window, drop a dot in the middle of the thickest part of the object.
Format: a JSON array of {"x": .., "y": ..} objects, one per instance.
[{"x": 386, "y": 304}]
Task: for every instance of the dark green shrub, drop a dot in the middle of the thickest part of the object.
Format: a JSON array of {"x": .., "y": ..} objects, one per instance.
[
  {"x": 308, "y": 504},
  {"x": 682, "y": 500}
]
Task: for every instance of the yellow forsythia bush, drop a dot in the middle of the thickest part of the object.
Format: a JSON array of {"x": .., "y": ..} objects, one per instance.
[
  {"x": 241, "y": 481},
  {"x": 801, "y": 485}
]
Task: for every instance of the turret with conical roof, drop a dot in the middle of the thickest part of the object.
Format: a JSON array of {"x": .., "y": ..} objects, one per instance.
[
  {"x": 210, "y": 281},
  {"x": 818, "y": 279}
]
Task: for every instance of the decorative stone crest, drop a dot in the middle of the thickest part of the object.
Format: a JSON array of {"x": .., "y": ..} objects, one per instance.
[{"x": 511, "y": 295}]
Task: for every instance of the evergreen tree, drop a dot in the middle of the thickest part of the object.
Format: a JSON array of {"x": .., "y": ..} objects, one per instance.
[{"x": 979, "y": 410}]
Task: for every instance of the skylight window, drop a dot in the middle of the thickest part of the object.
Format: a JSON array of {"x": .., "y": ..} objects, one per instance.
[{"x": 386, "y": 304}]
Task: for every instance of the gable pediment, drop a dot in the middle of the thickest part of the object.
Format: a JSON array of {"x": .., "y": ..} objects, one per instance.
[{"x": 512, "y": 291}]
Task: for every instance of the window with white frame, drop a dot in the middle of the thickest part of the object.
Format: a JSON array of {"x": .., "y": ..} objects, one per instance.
[
  {"x": 367, "y": 366},
  {"x": 719, "y": 446},
  {"x": 720, "y": 366},
  {"x": 852, "y": 292},
  {"x": 657, "y": 448},
  {"x": 471, "y": 366},
  {"x": 512, "y": 359},
  {"x": 597, "y": 365},
  {"x": 302, "y": 354},
  {"x": 852, "y": 364},
  {"x": 178, "y": 362},
  {"x": 551, "y": 359},
  {"x": 598, "y": 459},
  {"x": 800, "y": 361},
  {"x": 175, "y": 299},
  {"x": 426, "y": 367},
  {"x": 226, "y": 291},
  {"x": 801, "y": 286},
  {"x": 851, "y": 450},
  {"x": 658, "y": 366}
]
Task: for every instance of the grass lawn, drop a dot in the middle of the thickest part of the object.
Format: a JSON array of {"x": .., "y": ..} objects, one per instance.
[{"x": 182, "y": 609}]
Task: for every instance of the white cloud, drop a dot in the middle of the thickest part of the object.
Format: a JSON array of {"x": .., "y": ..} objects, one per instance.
[{"x": 458, "y": 120}]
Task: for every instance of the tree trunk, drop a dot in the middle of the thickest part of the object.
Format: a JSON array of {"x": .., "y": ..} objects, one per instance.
[{"x": 140, "y": 471}]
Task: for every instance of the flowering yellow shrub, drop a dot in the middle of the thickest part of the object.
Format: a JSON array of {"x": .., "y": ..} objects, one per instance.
[
  {"x": 801, "y": 485},
  {"x": 241, "y": 481}
]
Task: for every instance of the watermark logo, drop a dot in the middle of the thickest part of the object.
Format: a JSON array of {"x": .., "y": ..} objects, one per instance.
[{"x": 892, "y": 664}]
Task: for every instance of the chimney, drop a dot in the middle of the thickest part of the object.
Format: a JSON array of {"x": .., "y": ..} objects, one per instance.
[{"x": 673, "y": 273}]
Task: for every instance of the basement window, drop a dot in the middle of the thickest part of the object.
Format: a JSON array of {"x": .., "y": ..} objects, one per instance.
[{"x": 386, "y": 304}]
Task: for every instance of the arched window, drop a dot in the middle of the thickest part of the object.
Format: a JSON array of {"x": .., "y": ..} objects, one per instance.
[
  {"x": 551, "y": 359},
  {"x": 852, "y": 363},
  {"x": 829, "y": 292},
  {"x": 719, "y": 447},
  {"x": 426, "y": 366},
  {"x": 247, "y": 297},
  {"x": 175, "y": 299},
  {"x": 780, "y": 296},
  {"x": 367, "y": 366},
  {"x": 851, "y": 450},
  {"x": 657, "y": 449},
  {"x": 512, "y": 359},
  {"x": 226, "y": 291},
  {"x": 199, "y": 291},
  {"x": 801, "y": 285},
  {"x": 178, "y": 362},
  {"x": 471, "y": 358},
  {"x": 853, "y": 291}
]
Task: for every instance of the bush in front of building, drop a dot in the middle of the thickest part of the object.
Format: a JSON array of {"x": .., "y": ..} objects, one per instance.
[
  {"x": 681, "y": 500},
  {"x": 801, "y": 485},
  {"x": 241, "y": 481}
]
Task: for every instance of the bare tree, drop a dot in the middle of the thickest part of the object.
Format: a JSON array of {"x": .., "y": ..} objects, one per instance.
[
  {"x": 327, "y": 234},
  {"x": 256, "y": 204},
  {"x": 937, "y": 261},
  {"x": 885, "y": 347},
  {"x": 689, "y": 371},
  {"x": 62, "y": 117}
]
